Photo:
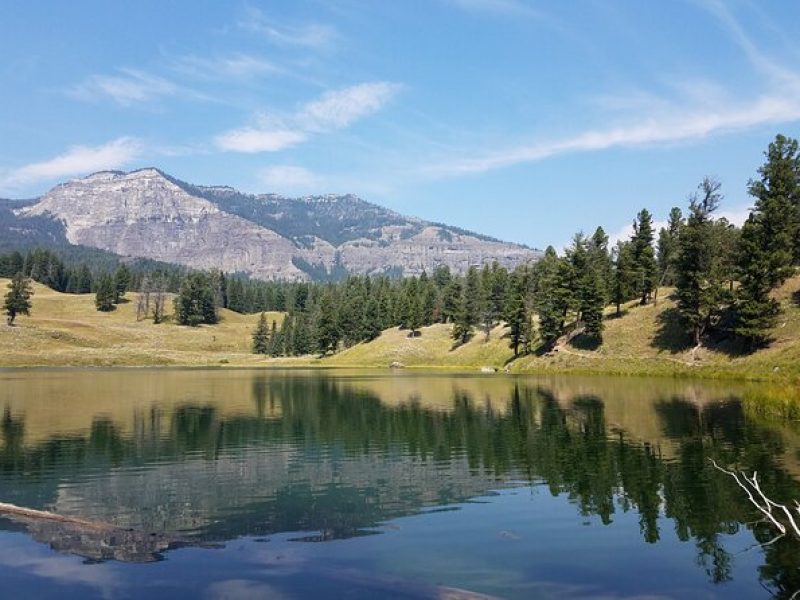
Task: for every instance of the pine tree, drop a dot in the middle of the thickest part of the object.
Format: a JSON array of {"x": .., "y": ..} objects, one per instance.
[
  {"x": 472, "y": 296},
  {"x": 373, "y": 325},
  {"x": 275, "y": 340},
  {"x": 106, "y": 294},
  {"x": 326, "y": 324},
  {"x": 552, "y": 295},
  {"x": 195, "y": 303},
  {"x": 622, "y": 287},
  {"x": 261, "y": 336},
  {"x": 700, "y": 287},
  {"x": 451, "y": 300},
  {"x": 301, "y": 343},
  {"x": 516, "y": 311},
  {"x": 84, "y": 285},
  {"x": 18, "y": 298},
  {"x": 766, "y": 248},
  {"x": 592, "y": 302},
  {"x": 600, "y": 259},
  {"x": 122, "y": 280},
  {"x": 644, "y": 260},
  {"x": 667, "y": 250}
]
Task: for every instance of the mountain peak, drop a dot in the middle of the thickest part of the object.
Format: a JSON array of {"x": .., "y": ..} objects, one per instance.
[{"x": 147, "y": 213}]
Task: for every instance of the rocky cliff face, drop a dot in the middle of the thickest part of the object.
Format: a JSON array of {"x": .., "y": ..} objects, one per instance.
[{"x": 151, "y": 215}]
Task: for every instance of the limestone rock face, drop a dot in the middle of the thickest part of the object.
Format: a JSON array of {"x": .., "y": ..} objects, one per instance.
[{"x": 148, "y": 214}]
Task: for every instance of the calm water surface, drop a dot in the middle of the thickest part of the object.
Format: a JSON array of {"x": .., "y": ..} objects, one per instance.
[{"x": 238, "y": 484}]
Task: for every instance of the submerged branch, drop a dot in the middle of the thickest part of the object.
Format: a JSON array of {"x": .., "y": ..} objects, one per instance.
[{"x": 763, "y": 503}]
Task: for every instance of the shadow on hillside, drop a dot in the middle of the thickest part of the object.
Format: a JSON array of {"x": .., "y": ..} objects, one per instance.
[
  {"x": 796, "y": 297},
  {"x": 671, "y": 335},
  {"x": 458, "y": 343},
  {"x": 586, "y": 342},
  {"x": 616, "y": 315}
]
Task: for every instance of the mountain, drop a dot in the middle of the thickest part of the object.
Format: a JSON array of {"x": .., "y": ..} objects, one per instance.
[{"x": 149, "y": 214}]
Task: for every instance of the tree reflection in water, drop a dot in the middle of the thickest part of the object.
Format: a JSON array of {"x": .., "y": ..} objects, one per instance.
[{"x": 321, "y": 454}]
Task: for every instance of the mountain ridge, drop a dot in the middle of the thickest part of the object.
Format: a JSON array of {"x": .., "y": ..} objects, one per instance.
[{"x": 149, "y": 214}]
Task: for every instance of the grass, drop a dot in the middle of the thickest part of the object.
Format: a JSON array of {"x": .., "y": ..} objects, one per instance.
[
  {"x": 66, "y": 330},
  {"x": 434, "y": 348},
  {"x": 649, "y": 340}
]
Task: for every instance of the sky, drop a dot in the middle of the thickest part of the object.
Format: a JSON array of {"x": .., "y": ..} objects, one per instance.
[{"x": 528, "y": 120}]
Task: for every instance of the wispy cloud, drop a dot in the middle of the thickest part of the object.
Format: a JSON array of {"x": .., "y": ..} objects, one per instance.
[
  {"x": 695, "y": 109},
  {"x": 75, "y": 161},
  {"x": 757, "y": 58},
  {"x": 129, "y": 87},
  {"x": 289, "y": 179},
  {"x": 334, "y": 110},
  {"x": 253, "y": 139},
  {"x": 340, "y": 108},
  {"x": 312, "y": 35},
  {"x": 234, "y": 66},
  {"x": 677, "y": 125}
]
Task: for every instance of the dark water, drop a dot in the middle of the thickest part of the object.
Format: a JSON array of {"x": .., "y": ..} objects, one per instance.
[{"x": 286, "y": 484}]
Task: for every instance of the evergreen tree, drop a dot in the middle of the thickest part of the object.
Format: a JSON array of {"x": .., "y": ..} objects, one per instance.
[
  {"x": 516, "y": 311},
  {"x": 552, "y": 295},
  {"x": 622, "y": 286},
  {"x": 767, "y": 241},
  {"x": 261, "y": 336},
  {"x": 643, "y": 254},
  {"x": 84, "y": 283},
  {"x": 327, "y": 328},
  {"x": 700, "y": 288},
  {"x": 106, "y": 294},
  {"x": 667, "y": 250},
  {"x": 11, "y": 264},
  {"x": 413, "y": 309},
  {"x": 472, "y": 296},
  {"x": 285, "y": 336},
  {"x": 301, "y": 343},
  {"x": 600, "y": 259},
  {"x": 195, "y": 303},
  {"x": 451, "y": 300},
  {"x": 122, "y": 280},
  {"x": 275, "y": 340},
  {"x": 592, "y": 302},
  {"x": 373, "y": 324},
  {"x": 18, "y": 298}
]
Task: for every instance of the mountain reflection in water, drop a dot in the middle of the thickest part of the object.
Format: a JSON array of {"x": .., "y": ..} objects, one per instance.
[{"x": 169, "y": 458}]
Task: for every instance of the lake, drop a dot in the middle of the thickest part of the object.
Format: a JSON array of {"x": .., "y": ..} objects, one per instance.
[{"x": 330, "y": 484}]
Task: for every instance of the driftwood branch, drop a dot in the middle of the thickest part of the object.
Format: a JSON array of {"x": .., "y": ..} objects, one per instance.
[
  {"x": 784, "y": 519},
  {"x": 94, "y": 540},
  {"x": 30, "y": 513}
]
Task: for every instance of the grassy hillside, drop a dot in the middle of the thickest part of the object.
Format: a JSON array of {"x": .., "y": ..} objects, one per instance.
[
  {"x": 650, "y": 340},
  {"x": 67, "y": 330}
]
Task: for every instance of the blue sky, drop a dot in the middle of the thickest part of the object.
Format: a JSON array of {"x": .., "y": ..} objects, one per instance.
[{"x": 526, "y": 120}]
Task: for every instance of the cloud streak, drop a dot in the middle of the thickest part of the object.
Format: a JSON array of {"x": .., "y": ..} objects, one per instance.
[
  {"x": 76, "y": 160},
  {"x": 310, "y": 36},
  {"x": 334, "y": 110},
  {"x": 676, "y": 126},
  {"x": 289, "y": 179},
  {"x": 234, "y": 66},
  {"x": 129, "y": 87}
]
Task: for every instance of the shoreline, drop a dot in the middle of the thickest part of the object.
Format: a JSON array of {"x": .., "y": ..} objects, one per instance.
[{"x": 699, "y": 372}]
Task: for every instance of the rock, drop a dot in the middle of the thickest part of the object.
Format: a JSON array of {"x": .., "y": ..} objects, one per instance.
[
  {"x": 488, "y": 370},
  {"x": 397, "y": 365},
  {"x": 149, "y": 214}
]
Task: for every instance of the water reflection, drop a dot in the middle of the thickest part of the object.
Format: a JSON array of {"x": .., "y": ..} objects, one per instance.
[{"x": 172, "y": 457}]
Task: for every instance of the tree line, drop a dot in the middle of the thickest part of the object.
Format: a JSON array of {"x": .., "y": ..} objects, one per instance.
[{"x": 724, "y": 277}]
